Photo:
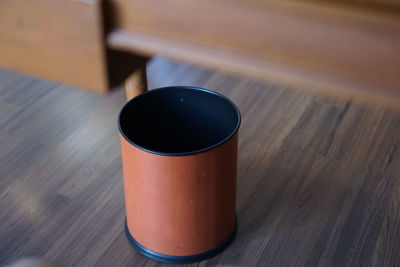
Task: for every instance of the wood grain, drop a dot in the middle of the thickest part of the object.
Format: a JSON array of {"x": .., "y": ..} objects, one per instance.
[
  {"x": 318, "y": 181},
  {"x": 61, "y": 40},
  {"x": 331, "y": 45}
]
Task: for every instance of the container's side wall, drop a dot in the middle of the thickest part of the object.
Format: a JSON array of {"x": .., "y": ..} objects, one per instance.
[{"x": 180, "y": 205}]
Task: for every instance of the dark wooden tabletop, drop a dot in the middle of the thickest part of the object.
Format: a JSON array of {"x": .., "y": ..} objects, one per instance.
[{"x": 318, "y": 181}]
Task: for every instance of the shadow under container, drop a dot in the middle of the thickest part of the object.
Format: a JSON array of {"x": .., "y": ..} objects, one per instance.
[{"x": 179, "y": 154}]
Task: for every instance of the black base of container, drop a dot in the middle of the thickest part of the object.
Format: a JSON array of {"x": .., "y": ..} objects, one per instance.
[{"x": 179, "y": 259}]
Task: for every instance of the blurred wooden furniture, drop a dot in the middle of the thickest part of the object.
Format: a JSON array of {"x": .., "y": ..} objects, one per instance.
[
  {"x": 350, "y": 47},
  {"x": 62, "y": 40},
  {"x": 56, "y": 39},
  {"x": 137, "y": 82}
]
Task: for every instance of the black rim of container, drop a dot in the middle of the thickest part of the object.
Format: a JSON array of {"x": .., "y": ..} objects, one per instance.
[{"x": 153, "y": 91}]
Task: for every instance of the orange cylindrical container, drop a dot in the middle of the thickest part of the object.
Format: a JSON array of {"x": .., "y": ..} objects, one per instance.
[{"x": 179, "y": 154}]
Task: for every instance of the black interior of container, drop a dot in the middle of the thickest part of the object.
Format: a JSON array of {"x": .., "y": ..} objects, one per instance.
[{"x": 175, "y": 120}]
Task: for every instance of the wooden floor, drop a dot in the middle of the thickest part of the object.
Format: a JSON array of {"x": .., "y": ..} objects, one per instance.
[{"x": 319, "y": 178}]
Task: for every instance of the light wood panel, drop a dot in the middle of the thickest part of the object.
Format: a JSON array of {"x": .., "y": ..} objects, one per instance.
[
  {"x": 60, "y": 40},
  {"x": 318, "y": 181},
  {"x": 328, "y": 45}
]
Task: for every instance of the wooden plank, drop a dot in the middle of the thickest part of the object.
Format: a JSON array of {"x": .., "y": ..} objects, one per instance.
[
  {"x": 57, "y": 39},
  {"x": 251, "y": 66},
  {"x": 316, "y": 44}
]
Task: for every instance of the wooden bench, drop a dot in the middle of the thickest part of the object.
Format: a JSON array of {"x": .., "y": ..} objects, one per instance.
[{"x": 349, "y": 48}]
